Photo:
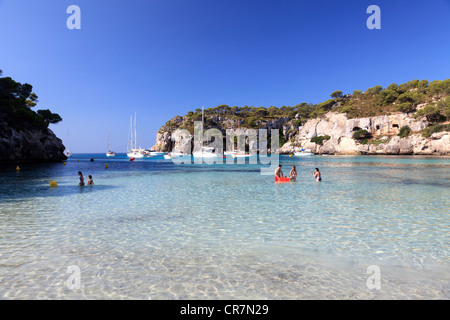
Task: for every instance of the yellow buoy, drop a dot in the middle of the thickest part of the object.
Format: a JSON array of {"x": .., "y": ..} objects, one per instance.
[
  {"x": 114, "y": 163},
  {"x": 64, "y": 163},
  {"x": 78, "y": 160},
  {"x": 53, "y": 183},
  {"x": 17, "y": 168},
  {"x": 106, "y": 166}
]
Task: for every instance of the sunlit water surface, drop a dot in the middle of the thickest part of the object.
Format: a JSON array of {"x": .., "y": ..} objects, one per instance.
[{"x": 151, "y": 229}]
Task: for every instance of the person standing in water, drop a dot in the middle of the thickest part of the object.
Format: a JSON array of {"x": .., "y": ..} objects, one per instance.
[
  {"x": 278, "y": 172},
  {"x": 81, "y": 179},
  {"x": 90, "y": 181},
  {"x": 293, "y": 174},
  {"x": 317, "y": 175}
]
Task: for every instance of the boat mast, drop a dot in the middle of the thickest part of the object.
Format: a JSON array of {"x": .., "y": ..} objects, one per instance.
[
  {"x": 130, "y": 135},
  {"x": 135, "y": 131}
]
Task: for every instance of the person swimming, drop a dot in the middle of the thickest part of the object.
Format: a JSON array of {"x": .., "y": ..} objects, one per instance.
[
  {"x": 81, "y": 179},
  {"x": 317, "y": 175},
  {"x": 293, "y": 173},
  {"x": 90, "y": 181}
]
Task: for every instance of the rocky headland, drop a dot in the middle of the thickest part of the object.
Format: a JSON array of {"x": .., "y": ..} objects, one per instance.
[
  {"x": 24, "y": 133},
  {"x": 407, "y": 119}
]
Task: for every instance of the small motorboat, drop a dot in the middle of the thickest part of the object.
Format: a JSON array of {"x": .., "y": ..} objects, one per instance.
[
  {"x": 174, "y": 154},
  {"x": 304, "y": 153},
  {"x": 206, "y": 152},
  {"x": 242, "y": 155}
]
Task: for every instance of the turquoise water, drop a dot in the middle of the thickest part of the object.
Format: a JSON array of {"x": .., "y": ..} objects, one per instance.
[{"x": 150, "y": 229}]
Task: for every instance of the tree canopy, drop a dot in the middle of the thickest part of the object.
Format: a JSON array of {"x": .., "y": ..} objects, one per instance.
[
  {"x": 424, "y": 98},
  {"x": 16, "y": 101}
]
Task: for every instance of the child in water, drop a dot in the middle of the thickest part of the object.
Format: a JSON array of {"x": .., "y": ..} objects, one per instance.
[{"x": 90, "y": 181}]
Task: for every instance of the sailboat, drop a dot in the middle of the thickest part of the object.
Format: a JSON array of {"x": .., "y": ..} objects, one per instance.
[
  {"x": 206, "y": 152},
  {"x": 133, "y": 151},
  {"x": 68, "y": 153},
  {"x": 110, "y": 153}
]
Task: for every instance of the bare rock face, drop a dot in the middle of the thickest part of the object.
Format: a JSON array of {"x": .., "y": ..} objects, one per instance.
[
  {"x": 29, "y": 146},
  {"x": 347, "y": 146},
  {"x": 340, "y": 129}
]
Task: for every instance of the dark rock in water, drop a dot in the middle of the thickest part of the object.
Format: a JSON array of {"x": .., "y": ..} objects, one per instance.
[{"x": 32, "y": 145}]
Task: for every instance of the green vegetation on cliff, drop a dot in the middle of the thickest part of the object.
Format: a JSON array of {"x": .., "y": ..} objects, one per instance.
[
  {"x": 16, "y": 103},
  {"x": 419, "y": 98},
  {"x": 405, "y": 97}
]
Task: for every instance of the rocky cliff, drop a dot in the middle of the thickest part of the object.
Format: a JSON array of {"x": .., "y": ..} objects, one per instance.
[
  {"x": 339, "y": 129},
  {"x": 167, "y": 141},
  {"x": 384, "y": 130},
  {"x": 24, "y": 133},
  {"x": 21, "y": 145}
]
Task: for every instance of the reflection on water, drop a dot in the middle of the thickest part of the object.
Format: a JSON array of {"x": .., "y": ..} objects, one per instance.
[{"x": 152, "y": 229}]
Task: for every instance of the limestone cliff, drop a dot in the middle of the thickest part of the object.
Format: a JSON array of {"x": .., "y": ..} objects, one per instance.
[
  {"x": 384, "y": 129},
  {"x": 337, "y": 126}
]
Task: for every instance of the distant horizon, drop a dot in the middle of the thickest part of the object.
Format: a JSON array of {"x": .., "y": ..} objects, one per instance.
[{"x": 165, "y": 58}]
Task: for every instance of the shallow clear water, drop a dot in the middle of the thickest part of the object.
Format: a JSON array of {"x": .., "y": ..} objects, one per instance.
[{"x": 154, "y": 230}]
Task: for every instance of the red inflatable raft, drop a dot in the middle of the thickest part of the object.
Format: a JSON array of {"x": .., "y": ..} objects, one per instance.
[{"x": 278, "y": 179}]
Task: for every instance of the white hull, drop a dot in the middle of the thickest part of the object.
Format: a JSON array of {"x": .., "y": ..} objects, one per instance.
[
  {"x": 242, "y": 155},
  {"x": 204, "y": 155},
  {"x": 110, "y": 154},
  {"x": 155, "y": 154},
  {"x": 173, "y": 155},
  {"x": 303, "y": 154},
  {"x": 135, "y": 155}
]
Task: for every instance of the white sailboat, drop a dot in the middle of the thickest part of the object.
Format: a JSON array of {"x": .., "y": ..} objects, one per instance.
[
  {"x": 68, "y": 153},
  {"x": 110, "y": 153},
  {"x": 133, "y": 151},
  {"x": 205, "y": 152},
  {"x": 151, "y": 153}
]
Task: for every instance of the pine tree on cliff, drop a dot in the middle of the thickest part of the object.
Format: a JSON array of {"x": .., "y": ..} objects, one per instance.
[{"x": 16, "y": 101}]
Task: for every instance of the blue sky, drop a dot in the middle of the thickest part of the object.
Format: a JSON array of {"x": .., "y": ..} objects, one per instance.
[{"x": 163, "y": 58}]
